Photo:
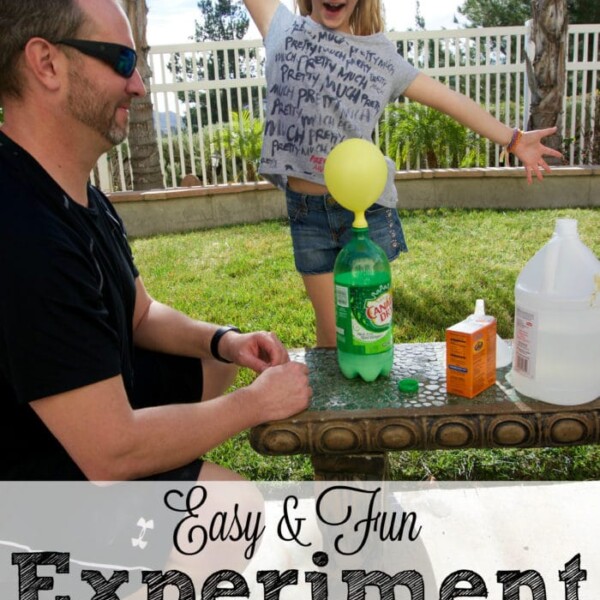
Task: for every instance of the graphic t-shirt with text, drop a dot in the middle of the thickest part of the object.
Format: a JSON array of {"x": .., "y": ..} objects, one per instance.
[{"x": 324, "y": 87}]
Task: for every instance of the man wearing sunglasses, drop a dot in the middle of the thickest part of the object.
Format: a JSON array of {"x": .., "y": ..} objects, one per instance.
[{"x": 99, "y": 381}]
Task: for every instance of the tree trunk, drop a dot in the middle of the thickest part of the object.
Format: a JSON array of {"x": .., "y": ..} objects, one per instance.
[
  {"x": 145, "y": 161},
  {"x": 595, "y": 142},
  {"x": 547, "y": 72}
]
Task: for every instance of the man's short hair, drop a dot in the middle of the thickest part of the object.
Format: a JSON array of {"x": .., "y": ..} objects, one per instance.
[{"x": 21, "y": 20}]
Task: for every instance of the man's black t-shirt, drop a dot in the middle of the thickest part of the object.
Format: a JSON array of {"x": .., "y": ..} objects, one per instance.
[{"x": 67, "y": 294}]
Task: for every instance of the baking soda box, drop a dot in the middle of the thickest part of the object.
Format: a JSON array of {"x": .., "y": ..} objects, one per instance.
[{"x": 471, "y": 356}]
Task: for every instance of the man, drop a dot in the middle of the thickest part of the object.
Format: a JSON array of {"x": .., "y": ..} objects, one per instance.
[{"x": 99, "y": 381}]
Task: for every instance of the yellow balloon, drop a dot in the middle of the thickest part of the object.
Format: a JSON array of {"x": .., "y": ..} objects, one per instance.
[{"x": 355, "y": 175}]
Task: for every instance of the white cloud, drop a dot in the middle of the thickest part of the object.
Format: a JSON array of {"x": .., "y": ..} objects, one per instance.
[
  {"x": 400, "y": 15},
  {"x": 171, "y": 22}
]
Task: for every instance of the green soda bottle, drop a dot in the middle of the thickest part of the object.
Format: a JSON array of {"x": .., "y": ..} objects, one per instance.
[{"x": 363, "y": 308}]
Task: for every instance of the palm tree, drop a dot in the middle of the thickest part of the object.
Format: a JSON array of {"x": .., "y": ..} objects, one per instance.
[
  {"x": 143, "y": 147},
  {"x": 547, "y": 69},
  {"x": 242, "y": 140}
]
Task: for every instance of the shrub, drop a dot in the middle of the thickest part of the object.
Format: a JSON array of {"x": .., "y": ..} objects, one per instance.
[
  {"x": 241, "y": 140},
  {"x": 417, "y": 136}
]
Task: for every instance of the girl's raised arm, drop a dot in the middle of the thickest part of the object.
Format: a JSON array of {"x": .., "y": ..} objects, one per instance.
[
  {"x": 262, "y": 12},
  {"x": 530, "y": 150}
]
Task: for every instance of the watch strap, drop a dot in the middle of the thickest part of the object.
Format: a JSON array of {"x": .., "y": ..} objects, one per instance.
[{"x": 216, "y": 338}]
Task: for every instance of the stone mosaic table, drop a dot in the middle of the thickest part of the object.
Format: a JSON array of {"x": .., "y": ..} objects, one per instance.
[{"x": 352, "y": 425}]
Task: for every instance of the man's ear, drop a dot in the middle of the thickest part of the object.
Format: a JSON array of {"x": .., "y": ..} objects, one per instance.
[{"x": 42, "y": 60}]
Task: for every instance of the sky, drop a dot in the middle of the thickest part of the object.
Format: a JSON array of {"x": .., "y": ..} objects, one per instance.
[{"x": 172, "y": 21}]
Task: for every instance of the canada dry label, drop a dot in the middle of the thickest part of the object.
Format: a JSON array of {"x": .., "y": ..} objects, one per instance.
[{"x": 364, "y": 318}]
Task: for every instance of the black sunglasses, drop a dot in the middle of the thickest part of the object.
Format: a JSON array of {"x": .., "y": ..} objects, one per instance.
[{"x": 121, "y": 58}]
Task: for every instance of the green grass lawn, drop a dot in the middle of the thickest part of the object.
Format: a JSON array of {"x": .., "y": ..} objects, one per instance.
[{"x": 245, "y": 275}]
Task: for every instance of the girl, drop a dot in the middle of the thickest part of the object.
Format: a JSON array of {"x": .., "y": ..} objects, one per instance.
[{"x": 331, "y": 71}]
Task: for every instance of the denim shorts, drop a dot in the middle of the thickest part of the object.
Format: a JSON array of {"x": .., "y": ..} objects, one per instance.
[{"x": 321, "y": 227}]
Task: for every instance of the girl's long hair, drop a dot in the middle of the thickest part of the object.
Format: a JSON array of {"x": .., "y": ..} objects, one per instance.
[{"x": 366, "y": 19}]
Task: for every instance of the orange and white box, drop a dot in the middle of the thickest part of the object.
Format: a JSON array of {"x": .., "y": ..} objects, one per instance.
[{"x": 471, "y": 356}]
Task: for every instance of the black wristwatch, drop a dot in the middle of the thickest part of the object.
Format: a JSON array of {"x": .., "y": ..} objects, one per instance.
[{"x": 216, "y": 338}]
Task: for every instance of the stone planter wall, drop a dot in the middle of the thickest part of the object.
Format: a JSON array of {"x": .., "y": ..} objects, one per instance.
[{"x": 190, "y": 208}]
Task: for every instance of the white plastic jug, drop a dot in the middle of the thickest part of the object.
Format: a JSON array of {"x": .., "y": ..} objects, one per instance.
[{"x": 557, "y": 322}]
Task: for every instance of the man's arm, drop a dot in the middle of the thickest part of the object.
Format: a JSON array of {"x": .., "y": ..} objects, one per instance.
[
  {"x": 262, "y": 12},
  {"x": 162, "y": 328},
  {"x": 110, "y": 441}
]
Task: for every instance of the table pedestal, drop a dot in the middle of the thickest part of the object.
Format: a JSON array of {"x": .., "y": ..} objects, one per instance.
[{"x": 351, "y": 467}]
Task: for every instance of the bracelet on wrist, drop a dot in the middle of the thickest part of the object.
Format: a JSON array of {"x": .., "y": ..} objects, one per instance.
[
  {"x": 510, "y": 147},
  {"x": 216, "y": 338}
]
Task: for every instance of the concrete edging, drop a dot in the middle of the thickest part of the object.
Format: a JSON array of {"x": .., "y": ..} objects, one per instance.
[{"x": 189, "y": 208}]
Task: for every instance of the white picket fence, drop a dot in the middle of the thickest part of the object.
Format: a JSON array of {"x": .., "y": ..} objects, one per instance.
[{"x": 487, "y": 64}]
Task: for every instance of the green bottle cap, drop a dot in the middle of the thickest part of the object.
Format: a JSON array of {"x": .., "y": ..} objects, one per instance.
[{"x": 408, "y": 386}]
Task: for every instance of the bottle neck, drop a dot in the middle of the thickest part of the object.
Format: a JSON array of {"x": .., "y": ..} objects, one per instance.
[{"x": 360, "y": 232}]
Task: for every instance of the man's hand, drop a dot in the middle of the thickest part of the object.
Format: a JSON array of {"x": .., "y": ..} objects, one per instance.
[
  {"x": 281, "y": 392},
  {"x": 257, "y": 351}
]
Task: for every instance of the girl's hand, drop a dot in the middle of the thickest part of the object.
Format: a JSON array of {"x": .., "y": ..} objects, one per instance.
[{"x": 530, "y": 151}]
